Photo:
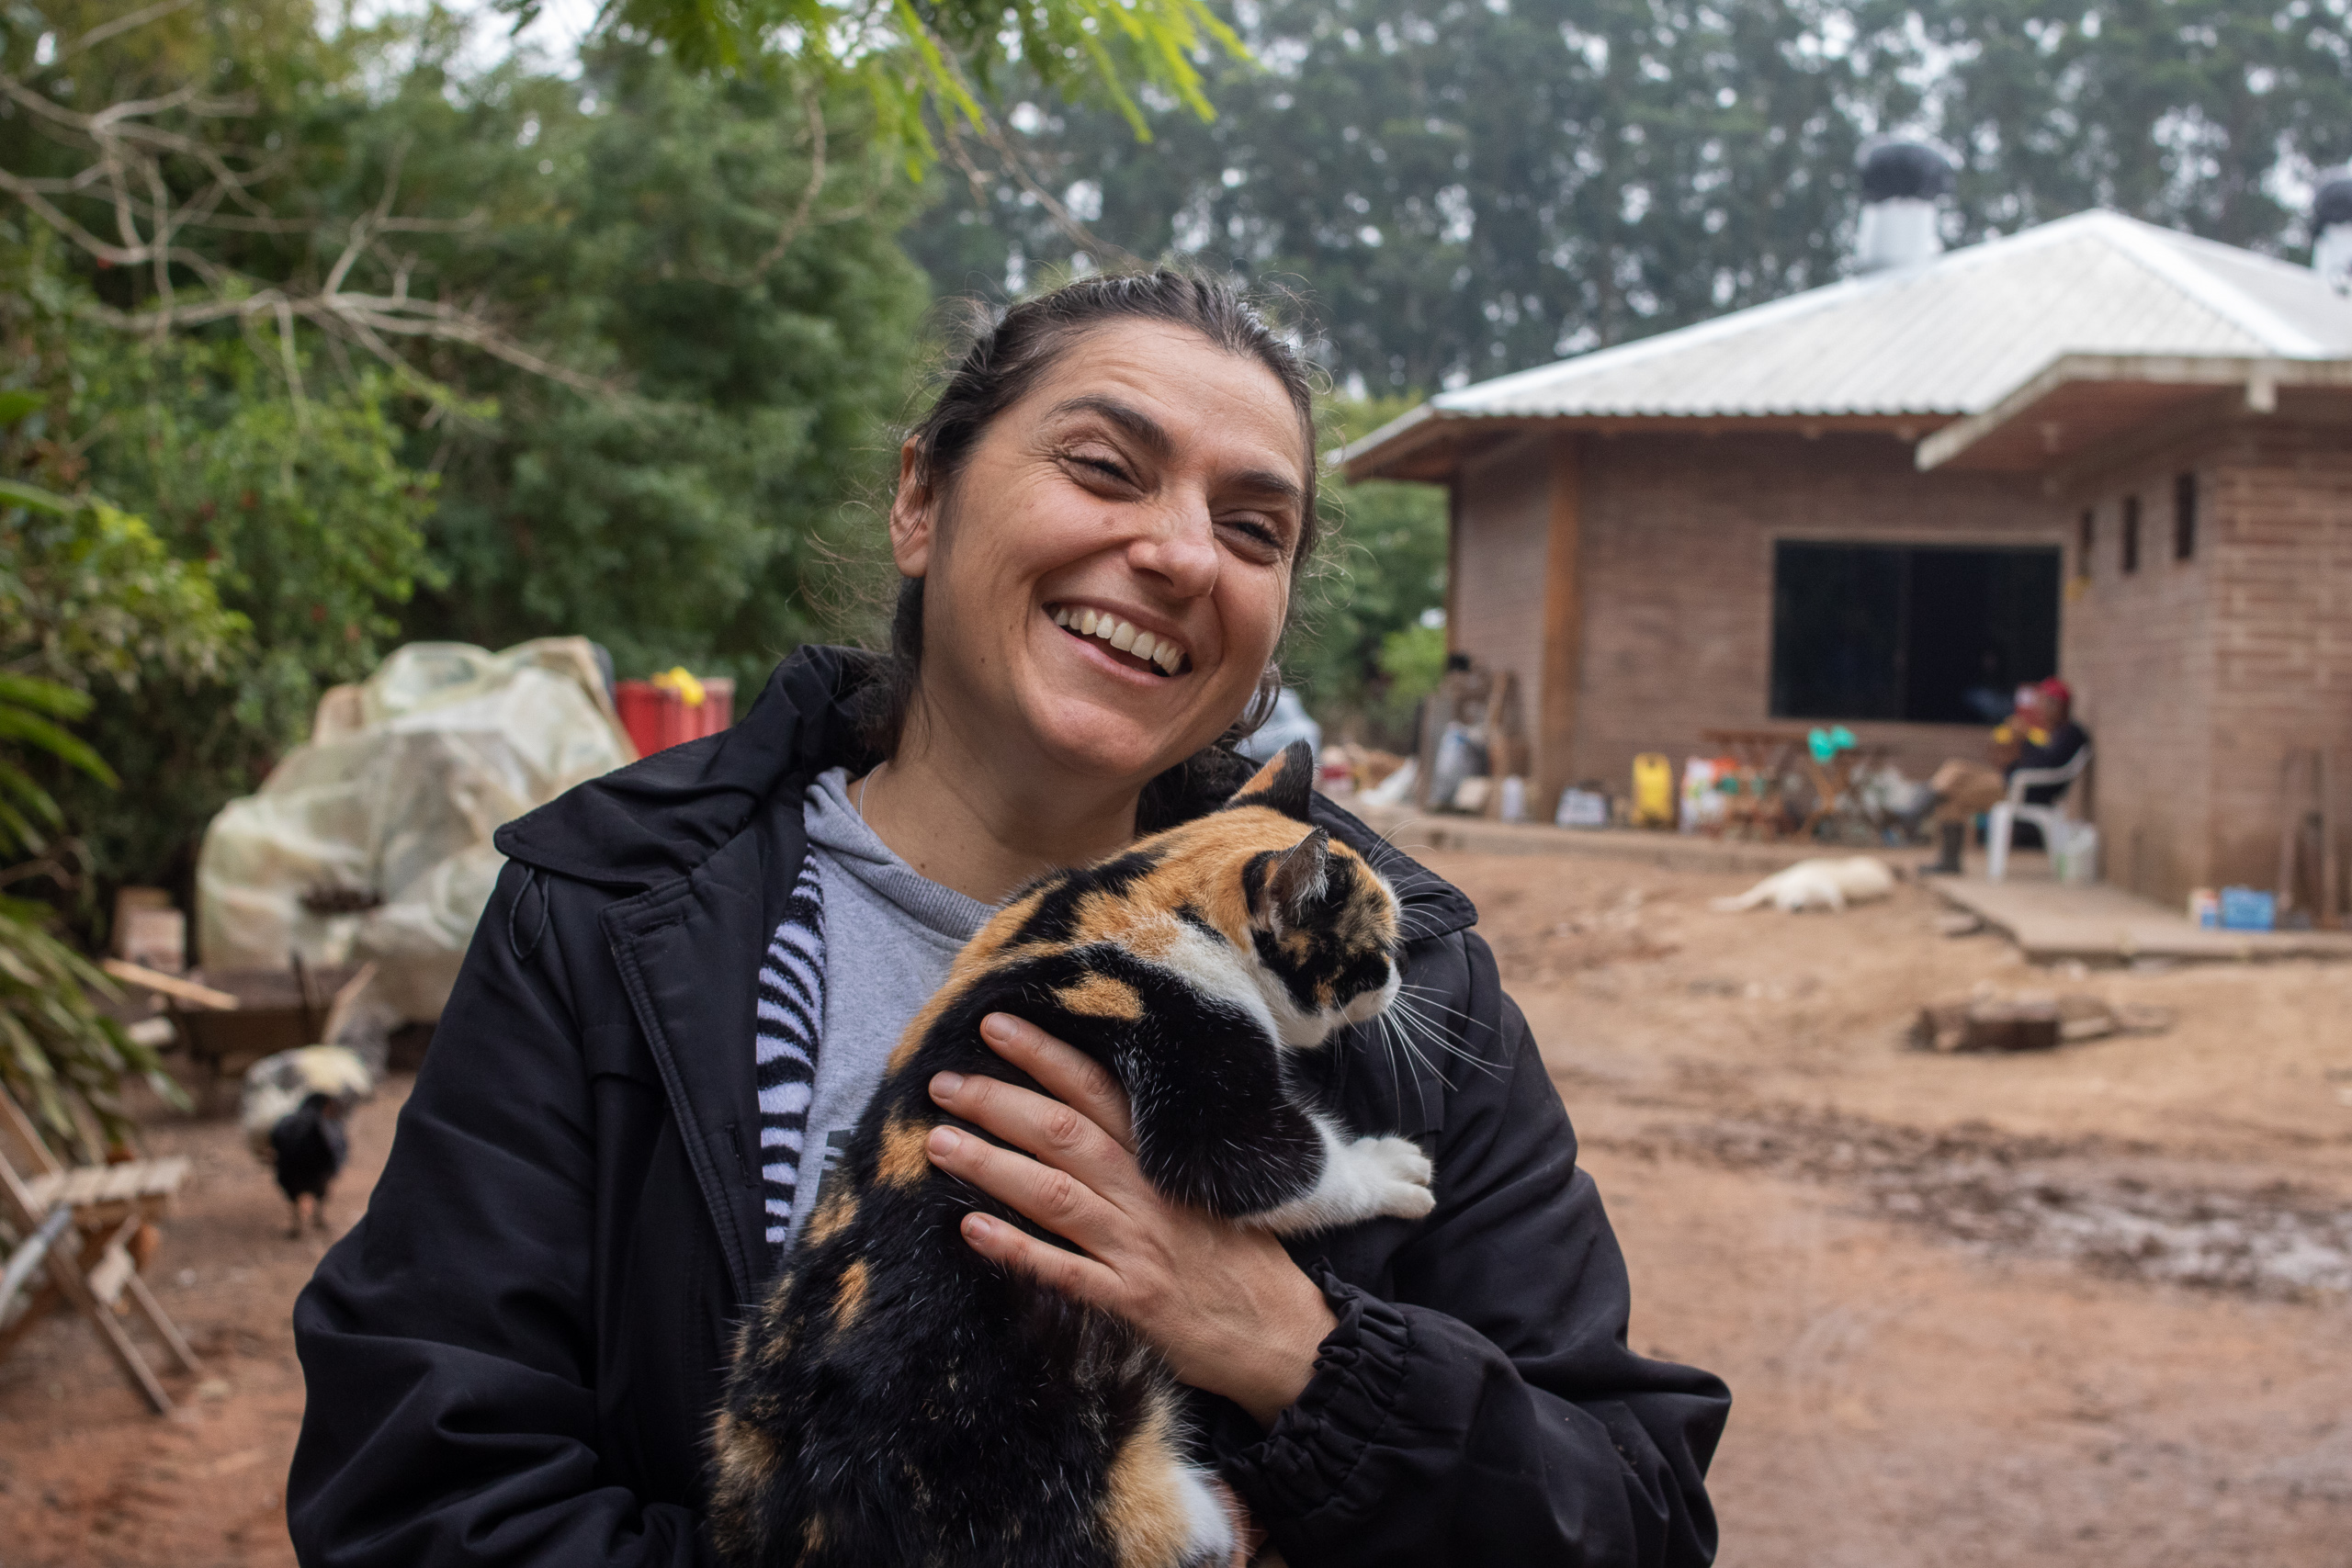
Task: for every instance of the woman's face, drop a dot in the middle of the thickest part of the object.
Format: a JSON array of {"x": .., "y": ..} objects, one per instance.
[{"x": 1149, "y": 486}]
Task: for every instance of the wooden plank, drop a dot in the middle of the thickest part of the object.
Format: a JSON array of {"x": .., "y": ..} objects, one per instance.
[
  {"x": 106, "y": 1278},
  {"x": 1563, "y": 667},
  {"x": 2331, "y": 888},
  {"x": 171, "y": 985},
  {"x": 31, "y": 1156}
]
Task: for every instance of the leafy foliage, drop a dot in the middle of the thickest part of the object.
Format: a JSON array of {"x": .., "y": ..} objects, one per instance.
[
  {"x": 1465, "y": 188},
  {"x": 308, "y": 527},
  {"x": 1359, "y": 653},
  {"x": 724, "y": 253},
  {"x": 708, "y": 258},
  {"x": 56, "y": 1045},
  {"x": 908, "y": 55}
]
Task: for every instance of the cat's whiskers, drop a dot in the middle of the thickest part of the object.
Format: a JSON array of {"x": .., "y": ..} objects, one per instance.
[
  {"x": 1431, "y": 1032},
  {"x": 1426, "y": 998},
  {"x": 1394, "y": 1027}
]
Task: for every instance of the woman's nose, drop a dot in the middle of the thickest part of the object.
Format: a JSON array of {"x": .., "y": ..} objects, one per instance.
[{"x": 1180, "y": 549}]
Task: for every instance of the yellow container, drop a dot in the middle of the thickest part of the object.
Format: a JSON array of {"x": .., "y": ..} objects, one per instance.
[{"x": 1653, "y": 791}]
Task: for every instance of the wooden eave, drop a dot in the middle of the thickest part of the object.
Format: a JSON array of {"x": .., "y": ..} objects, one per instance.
[
  {"x": 1431, "y": 445},
  {"x": 2084, "y": 404}
]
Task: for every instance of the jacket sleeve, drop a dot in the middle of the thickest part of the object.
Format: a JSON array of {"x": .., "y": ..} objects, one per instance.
[
  {"x": 447, "y": 1341},
  {"x": 1492, "y": 1413}
]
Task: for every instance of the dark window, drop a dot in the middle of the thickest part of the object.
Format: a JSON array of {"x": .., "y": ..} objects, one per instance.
[
  {"x": 2085, "y": 540},
  {"x": 1930, "y": 635},
  {"x": 2184, "y": 517},
  {"x": 2130, "y": 533}
]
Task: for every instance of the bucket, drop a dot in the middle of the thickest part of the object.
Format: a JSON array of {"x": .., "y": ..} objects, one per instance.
[
  {"x": 1653, "y": 791},
  {"x": 674, "y": 709}
]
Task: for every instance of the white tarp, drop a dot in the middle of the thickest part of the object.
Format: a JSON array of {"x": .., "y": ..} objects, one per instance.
[{"x": 395, "y": 796}]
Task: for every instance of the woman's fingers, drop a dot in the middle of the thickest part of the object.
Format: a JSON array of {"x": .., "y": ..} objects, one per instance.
[
  {"x": 1079, "y": 1278},
  {"x": 1069, "y": 1075},
  {"x": 1053, "y": 1197},
  {"x": 1051, "y": 1131}
]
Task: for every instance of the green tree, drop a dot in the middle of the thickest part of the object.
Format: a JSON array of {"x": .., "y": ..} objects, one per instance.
[
  {"x": 1464, "y": 187},
  {"x": 312, "y": 530},
  {"x": 81, "y": 583},
  {"x": 722, "y": 253},
  {"x": 1367, "y": 614},
  {"x": 941, "y": 55}
]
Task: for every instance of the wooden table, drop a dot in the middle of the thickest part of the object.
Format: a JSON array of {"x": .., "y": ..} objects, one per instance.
[
  {"x": 1833, "y": 784},
  {"x": 1767, "y": 755}
]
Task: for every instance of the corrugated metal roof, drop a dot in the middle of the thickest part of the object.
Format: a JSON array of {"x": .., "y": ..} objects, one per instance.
[{"x": 1949, "y": 337}]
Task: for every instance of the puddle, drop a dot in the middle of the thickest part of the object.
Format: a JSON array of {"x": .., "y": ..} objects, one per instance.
[{"x": 2083, "y": 1200}]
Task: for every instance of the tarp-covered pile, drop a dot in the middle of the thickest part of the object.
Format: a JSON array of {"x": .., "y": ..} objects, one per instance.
[{"x": 372, "y": 839}]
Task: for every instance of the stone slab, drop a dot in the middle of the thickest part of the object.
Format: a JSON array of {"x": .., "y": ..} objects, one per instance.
[{"x": 2053, "y": 922}]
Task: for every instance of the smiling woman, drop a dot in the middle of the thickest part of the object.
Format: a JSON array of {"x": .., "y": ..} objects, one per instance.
[{"x": 694, "y": 972}]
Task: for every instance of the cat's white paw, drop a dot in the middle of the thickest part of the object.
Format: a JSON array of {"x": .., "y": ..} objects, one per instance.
[{"x": 1401, "y": 1173}]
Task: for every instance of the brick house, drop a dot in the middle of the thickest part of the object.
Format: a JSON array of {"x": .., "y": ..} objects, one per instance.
[{"x": 2096, "y": 447}]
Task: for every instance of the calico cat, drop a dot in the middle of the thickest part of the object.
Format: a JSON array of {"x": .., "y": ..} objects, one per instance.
[{"x": 898, "y": 1399}]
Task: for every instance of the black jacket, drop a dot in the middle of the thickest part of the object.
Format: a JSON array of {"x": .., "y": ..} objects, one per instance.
[{"x": 514, "y": 1356}]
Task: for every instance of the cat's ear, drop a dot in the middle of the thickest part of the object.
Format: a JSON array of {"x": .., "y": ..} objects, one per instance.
[
  {"x": 1286, "y": 784},
  {"x": 1294, "y": 882}
]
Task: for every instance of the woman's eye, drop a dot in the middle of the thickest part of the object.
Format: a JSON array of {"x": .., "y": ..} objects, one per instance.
[
  {"x": 1101, "y": 468},
  {"x": 1260, "y": 538}
]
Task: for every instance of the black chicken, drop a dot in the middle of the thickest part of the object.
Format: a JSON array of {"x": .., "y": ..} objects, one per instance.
[{"x": 309, "y": 1145}]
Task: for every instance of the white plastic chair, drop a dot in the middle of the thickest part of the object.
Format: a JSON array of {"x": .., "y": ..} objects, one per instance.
[{"x": 2058, "y": 825}]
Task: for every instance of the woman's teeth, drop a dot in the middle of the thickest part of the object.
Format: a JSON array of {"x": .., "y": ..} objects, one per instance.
[{"x": 1123, "y": 636}]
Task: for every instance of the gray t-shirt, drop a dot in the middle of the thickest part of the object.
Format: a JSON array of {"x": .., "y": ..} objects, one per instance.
[{"x": 890, "y": 936}]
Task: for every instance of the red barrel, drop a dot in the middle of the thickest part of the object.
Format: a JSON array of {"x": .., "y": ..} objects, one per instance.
[{"x": 658, "y": 715}]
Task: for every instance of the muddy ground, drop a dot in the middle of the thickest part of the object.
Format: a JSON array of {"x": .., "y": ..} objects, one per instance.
[{"x": 2087, "y": 1307}]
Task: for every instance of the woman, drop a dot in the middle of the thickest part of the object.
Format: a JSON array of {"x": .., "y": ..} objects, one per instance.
[{"x": 514, "y": 1357}]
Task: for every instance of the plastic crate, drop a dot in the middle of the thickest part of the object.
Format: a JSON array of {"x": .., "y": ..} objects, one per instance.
[{"x": 2249, "y": 909}]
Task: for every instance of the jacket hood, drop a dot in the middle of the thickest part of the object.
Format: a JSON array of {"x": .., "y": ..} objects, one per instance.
[{"x": 660, "y": 817}]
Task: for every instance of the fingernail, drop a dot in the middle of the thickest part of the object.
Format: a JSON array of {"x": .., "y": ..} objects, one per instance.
[
  {"x": 944, "y": 1140},
  {"x": 946, "y": 1086},
  {"x": 1000, "y": 1028},
  {"x": 977, "y": 1227}
]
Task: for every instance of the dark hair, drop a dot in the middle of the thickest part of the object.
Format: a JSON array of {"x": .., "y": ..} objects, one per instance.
[{"x": 1006, "y": 359}]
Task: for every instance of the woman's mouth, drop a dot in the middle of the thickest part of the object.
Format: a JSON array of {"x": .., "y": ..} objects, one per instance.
[{"x": 1122, "y": 640}]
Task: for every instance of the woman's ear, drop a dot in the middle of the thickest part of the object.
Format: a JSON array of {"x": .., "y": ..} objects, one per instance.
[{"x": 913, "y": 510}]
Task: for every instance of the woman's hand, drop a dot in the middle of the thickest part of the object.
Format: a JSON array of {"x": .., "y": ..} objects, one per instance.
[{"x": 1224, "y": 1303}]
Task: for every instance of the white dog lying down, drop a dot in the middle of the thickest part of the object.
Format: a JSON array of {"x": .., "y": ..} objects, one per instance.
[{"x": 1817, "y": 884}]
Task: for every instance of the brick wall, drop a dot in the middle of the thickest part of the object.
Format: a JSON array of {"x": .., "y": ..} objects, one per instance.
[
  {"x": 2195, "y": 677},
  {"x": 2281, "y": 560},
  {"x": 1501, "y": 547},
  {"x": 2200, "y": 675},
  {"x": 1676, "y": 569},
  {"x": 2139, "y": 649}
]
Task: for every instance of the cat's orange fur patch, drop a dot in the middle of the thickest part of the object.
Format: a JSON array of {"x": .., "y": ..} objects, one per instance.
[
  {"x": 777, "y": 1345},
  {"x": 1143, "y": 1499},
  {"x": 747, "y": 1456},
  {"x": 1100, "y": 996},
  {"x": 832, "y": 1216},
  {"x": 849, "y": 1298},
  {"x": 905, "y": 1159}
]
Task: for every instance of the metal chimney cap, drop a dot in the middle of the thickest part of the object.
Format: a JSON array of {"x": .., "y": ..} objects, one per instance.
[
  {"x": 1904, "y": 170},
  {"x": 2332, "y": 202}
]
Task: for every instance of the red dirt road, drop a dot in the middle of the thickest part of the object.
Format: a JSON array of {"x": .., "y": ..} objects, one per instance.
[{"x": 2088, "y": 1307}]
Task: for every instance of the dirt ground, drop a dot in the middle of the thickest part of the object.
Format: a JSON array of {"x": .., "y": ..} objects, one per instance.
[{"x": 2086, "y": 1307}]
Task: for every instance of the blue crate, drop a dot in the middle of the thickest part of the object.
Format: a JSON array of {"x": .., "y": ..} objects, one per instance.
[{"x": 2247, "y": 909}]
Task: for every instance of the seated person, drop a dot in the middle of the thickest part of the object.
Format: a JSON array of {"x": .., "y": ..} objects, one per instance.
[
  {"x": 2041, "y": 734},
  {"x": 2053, "y": 742}
]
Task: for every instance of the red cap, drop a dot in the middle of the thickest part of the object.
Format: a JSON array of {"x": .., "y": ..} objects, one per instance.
[{"x": 2057, "y": 691}]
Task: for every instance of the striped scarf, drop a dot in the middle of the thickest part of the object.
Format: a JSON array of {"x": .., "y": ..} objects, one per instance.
[{"x": 791, "y": 1020}]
